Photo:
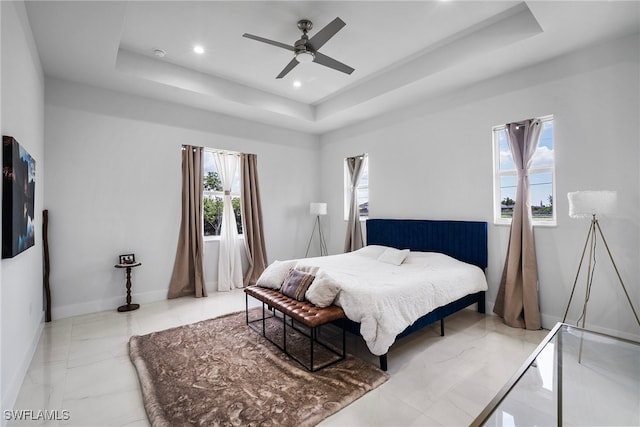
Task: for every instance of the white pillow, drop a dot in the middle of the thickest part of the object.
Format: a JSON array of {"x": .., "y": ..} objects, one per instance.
[
  {"x": 370, "y": 251},
  {"x": 273, "y": 276},
  {"x": 310, "y": 269},
  {"x": 394, "y": 256},
  {"x": 323, "y": 290}
]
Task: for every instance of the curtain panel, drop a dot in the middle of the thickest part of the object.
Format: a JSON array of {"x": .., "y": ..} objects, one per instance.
[
  {"x": 353, "y": 240},
  {"x": 229, "y": 260},
  {"x": 517, "y": 299},
  {"x": 252, "y": 226},
  {"x": 188, "y": 272}
]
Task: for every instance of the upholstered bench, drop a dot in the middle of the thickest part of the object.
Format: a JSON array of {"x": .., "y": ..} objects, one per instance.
[{"x": 302, "y": 312}]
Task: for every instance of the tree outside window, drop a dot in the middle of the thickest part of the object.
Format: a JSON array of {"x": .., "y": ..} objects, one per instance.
[{"x": 213, "y": 198}]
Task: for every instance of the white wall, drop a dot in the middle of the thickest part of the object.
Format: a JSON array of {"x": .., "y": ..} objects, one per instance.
[
  {"x": 113, "y": 187},
  {"x": 434, "y": 160},
  {"x": 21, "y": 276}
]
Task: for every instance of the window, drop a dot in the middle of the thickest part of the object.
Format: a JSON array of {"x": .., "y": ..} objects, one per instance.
[
  {"x": 213, "y": 197},
  {"x": 363, "y": 190},
  {"x": 541, "y": 177}
]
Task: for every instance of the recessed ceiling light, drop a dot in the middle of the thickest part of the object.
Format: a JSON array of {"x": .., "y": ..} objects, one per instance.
[
  {"x": 297, "y": 83},
  {"x": 198, "y": 49}
]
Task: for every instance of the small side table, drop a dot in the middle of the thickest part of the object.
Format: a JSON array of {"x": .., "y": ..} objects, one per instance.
[{"x": 128, "y": 306}]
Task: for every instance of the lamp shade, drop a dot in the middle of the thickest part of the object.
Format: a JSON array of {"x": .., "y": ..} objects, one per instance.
[
  {"x": 316, "y": 208},
  {"x": 585, "y": 204}
]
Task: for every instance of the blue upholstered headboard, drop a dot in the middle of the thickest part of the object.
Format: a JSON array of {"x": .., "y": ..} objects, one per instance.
[{"x": 463, "y": 240}]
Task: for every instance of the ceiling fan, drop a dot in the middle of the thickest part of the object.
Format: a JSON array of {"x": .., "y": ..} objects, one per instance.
[{"x": 306, "y": 49}]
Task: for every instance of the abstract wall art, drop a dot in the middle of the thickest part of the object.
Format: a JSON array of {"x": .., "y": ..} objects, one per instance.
[{"x": 18, "y": 198}]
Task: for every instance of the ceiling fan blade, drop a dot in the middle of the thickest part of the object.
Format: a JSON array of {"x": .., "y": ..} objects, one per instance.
[
  {"x": 332, "y": 63},
  {"x": 271, "y": 42},
  {"x": 323, "y": 36},
  {"x": 290, "y": 66}
]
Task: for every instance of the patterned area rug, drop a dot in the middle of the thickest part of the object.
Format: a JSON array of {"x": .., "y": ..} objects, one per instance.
[{"x": 220, "y": 372}]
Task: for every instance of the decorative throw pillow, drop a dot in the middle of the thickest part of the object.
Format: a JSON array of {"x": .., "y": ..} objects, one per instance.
[
  {"x": 296, "y": 284},
  {"x": 370, "y": 251},
  {"x": 323, "y": 291},
  {"x": 394, "y": 256},
  {"x": 273, "y": 276}
]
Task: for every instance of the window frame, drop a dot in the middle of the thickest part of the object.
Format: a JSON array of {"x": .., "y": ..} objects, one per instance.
[
  {"x": 219, "y": 193},
  {"x": 498, "y": 174},
  {"x": 347, "y": 187}
]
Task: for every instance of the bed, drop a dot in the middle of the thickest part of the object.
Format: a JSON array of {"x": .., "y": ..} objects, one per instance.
[{"x": 429, "y": 241}]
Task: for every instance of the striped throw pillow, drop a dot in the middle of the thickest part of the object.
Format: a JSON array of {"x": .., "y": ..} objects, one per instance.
[{"x": 296, "y": 284}]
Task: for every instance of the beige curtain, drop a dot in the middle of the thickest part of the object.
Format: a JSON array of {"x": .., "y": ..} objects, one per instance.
[
  {"x": 188, "y": 272},
  {"x": 353, "y": 240},
  {"x": 252, "y": 227},
  {"x": 517, "y": 299}
]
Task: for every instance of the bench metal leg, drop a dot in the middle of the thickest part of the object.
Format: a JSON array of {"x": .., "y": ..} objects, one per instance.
[
  {"x": 246, "y": 307},
  {"x": 312, "y": 335},
  {"x": 284, "y": 333},
  {"x": 344, "y": 338},
  {"x": 264, "y": 321},
  {"x": 311, "y": 340}
]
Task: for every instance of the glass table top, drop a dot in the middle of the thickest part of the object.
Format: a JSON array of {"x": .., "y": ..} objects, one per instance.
[{"x": 574, "y": 378}]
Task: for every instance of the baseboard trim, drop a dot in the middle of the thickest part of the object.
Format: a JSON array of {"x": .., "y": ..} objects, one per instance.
[
  {"x": 548, "y": 322},
  {"x": 95, "y": 306},
  {"x": 15, "y": 383}
]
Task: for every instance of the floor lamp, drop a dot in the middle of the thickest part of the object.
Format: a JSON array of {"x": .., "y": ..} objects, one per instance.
[
  {"x": 591, "y": 204},
  {"x": 318, "y": 209}
]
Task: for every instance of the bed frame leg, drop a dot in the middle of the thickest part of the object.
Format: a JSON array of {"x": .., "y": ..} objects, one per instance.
[
  {"x": 383, "y": 362},
  {"x": 481, "y": 303},
  {"x": 441, "y": 327}
]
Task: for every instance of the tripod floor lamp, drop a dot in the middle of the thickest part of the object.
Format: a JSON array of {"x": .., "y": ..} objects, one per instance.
[
  {"x": 591, "y": 204},
  {"x": 318, "y": 209}
]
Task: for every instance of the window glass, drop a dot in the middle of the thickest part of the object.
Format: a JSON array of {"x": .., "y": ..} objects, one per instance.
[
  {"x": 362, "y": 190},
  {"x": 541, "y": 177},
  {"x": 213, "y": 200}
]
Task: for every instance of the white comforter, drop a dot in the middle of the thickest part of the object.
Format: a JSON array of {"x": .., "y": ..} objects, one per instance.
[{"x": 385, "y": 299}]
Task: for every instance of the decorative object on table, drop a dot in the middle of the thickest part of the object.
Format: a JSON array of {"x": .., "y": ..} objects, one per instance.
[
  {"x": 318, "y": 209},
  {"x": 128, "y": 262},
  {"x": 210, "y": 378},
  {"x": 127, "y": 259},
  {"x": 46, "y": 265},
  {"x": 18, "y": 198},
  {"x": 592, "y": 204}
]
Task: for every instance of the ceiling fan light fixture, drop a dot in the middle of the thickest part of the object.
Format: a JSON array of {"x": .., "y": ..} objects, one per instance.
[
  {"x": 305, "y": 49},
  {"x": 305, "y": 57}
]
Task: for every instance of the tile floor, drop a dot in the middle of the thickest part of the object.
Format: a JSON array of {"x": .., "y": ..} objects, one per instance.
[{"x": 82, "y": 366}]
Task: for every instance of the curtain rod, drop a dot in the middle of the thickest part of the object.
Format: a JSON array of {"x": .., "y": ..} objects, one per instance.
[
  {"x": 215, "y": 150},
  {"x": 228, "y": 152}
]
